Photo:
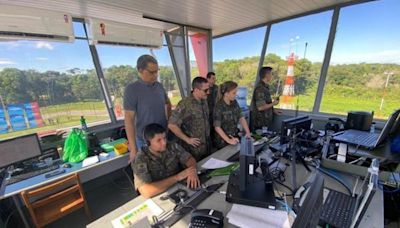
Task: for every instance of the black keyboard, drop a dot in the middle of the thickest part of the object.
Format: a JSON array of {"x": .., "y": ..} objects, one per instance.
[
  {"x": 24, "y": 176},
  {"x": 366, "y": 139},
  {"x": 338, "y": 209}
]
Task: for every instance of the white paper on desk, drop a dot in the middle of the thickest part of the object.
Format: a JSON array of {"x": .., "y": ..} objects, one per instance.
[
  {"x": 137, "y": 214},
  {"x": 247, "y": 216},
  {"x": 90, "y": 161},
  {"x": 214, "y": 163}
]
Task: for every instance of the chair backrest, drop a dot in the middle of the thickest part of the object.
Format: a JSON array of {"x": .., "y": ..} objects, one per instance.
[{"x": 49, "y": 202}]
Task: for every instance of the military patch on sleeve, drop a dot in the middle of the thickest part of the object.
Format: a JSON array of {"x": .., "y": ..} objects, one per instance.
[{"x": 141, "y": 168}]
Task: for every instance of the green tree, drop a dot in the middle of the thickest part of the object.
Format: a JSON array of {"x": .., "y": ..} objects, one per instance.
[
  {"x": 13, "y": 86},
  {"x": 118, "y": 77}
]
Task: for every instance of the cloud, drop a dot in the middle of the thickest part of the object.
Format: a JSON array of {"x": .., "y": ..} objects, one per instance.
[
  {"x": 9, "y": 45},
  {"x": 6, "y": 62},
  {"x": 385, "y": 56},
  {"x": 41, "y": 58},
  {"x": 42, "y": 44}
]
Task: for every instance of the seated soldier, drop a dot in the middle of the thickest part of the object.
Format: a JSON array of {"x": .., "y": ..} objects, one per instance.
[{"x": 158, "y": 166}]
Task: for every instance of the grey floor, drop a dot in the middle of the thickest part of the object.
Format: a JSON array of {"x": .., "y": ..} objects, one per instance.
[{"x": 103, "y": 195}]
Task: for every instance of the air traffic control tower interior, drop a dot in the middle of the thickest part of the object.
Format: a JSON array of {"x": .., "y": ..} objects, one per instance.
[{"x": 185, "y": 113}]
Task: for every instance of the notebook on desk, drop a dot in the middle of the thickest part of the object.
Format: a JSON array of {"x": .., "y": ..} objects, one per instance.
[{"x": 367, "y": 139}]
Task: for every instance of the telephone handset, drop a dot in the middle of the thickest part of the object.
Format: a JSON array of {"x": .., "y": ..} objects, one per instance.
[{"x": 206, "y": 218}]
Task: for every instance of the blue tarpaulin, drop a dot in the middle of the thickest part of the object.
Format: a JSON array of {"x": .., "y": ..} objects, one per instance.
[
  {"x": 17, "y": 116},
  {"x": 3, "y": 122}
]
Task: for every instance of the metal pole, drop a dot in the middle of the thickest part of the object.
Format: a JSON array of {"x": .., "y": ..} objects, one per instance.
[
  {"x": 5, "y": 112},
  {"x": 264, "y": 49},
  {"x": 327, "y": 59},
  {"x": 305, "y": 50},
  {"x": 384, "y": 90}
]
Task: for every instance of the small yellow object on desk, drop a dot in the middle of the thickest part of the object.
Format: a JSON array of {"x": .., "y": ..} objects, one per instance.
[{"x": 121, "y": 148}]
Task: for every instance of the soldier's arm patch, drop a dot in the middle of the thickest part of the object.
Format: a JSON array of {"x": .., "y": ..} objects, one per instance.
[{"x": 177, "y": 114}]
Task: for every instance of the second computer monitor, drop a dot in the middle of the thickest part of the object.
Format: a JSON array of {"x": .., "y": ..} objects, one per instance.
[
  {"x": 19, "y": 149},
  {"x": 298, "y": 123}
]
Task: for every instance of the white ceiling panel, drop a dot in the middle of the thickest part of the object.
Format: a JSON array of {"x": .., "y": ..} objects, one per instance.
[{"x": 222, "y": 16}]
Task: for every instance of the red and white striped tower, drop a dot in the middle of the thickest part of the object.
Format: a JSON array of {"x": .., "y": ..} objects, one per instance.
[{"x": 288, "y": 88}]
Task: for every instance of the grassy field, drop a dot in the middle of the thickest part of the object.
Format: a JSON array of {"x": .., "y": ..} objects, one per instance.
[
  {"x": 68, "y": 115},
  {"x": 64, "y": 122},
  {"x": 77, "y": 106}
]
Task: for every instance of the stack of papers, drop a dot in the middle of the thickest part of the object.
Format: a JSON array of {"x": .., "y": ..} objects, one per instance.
[
  {"x": 247, "y": 216},
  {"x": 137, "y": 215}
]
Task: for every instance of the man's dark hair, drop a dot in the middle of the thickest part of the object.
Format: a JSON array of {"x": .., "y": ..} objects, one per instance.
[
  {"x": 264, "y": 71},
  {"x": 210, "y": 74},
  {"x": 197, "y": 81},
  {"x": 144, "y": 60},
  {"x": 151, "y": 130}
]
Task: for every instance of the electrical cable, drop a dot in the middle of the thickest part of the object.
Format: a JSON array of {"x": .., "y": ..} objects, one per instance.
[
  {"x": 336, "y": 178},
  {"x": 291, "y": 190},
  {"x": 285, "y": 205},
  {"x": 8, "y": 218}
]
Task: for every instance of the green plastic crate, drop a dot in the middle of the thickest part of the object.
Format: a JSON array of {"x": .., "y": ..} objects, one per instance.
[{"x": 108, "y": 147}]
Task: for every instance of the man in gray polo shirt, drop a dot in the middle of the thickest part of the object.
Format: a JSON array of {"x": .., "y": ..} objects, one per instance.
[{"x": 145, "y": 102}]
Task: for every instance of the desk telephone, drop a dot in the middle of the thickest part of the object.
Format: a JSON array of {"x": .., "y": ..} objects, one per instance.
[{"x": 206, "y": 218}]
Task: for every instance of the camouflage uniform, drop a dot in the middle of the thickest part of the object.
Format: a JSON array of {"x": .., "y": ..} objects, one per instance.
[
  {"x": 148, "y": 168},
  {"x": 261, "y": 96},
  {"x": 227, "y": 117},
  {"x": 191, "y": 116},
  {"x": 211, "y": 100}
]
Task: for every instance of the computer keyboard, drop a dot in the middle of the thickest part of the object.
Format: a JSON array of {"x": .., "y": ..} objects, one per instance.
[
  {"x": 338, "y": 209},
  {"x": 365, "y": 139},
  {"x": 24, "y": 176}
]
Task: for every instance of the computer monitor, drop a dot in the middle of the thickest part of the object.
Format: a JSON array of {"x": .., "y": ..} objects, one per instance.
[
  {"x": 396, "y": 126},
  {"x": 245, "y": 185},
  {"x": 298, "y": 123},
  {"x": 310, "y": 210},
  {"x": 19, "y": 149},
  {"x": 388, "y": 128}
]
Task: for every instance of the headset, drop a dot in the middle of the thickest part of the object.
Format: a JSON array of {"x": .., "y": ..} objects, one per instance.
[
  {"x": 146, "y": 140},
  {"x": 146, "y": 137},
  {"x": 334, "y": 124}
]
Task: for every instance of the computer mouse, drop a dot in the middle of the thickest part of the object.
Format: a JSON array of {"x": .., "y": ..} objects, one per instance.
[{"x": 67, "y": 165}]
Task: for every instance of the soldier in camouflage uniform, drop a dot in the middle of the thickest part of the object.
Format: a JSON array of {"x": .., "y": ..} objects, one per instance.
[
  {"x": 157, "y": 165},
  {"x": 212, "y": 99},
  {"x": 189, "y": 120},
  {"x": 227, "y": 116},
  {"x": 262, "y": 105}
]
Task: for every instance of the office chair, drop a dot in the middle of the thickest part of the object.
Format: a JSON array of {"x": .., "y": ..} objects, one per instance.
[
  {"x": 129, "y": 175},
  {"x": 54, "y": 200}
]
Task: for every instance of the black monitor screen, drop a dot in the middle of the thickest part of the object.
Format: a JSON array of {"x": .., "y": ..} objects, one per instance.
[
  {"x": 19, "y": 149},
  {"x": 310, "y": 211},
  {"x": 301, "y": 122}
]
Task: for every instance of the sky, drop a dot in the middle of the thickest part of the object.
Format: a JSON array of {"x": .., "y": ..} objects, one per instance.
[{"x": 366, "y": 33}]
